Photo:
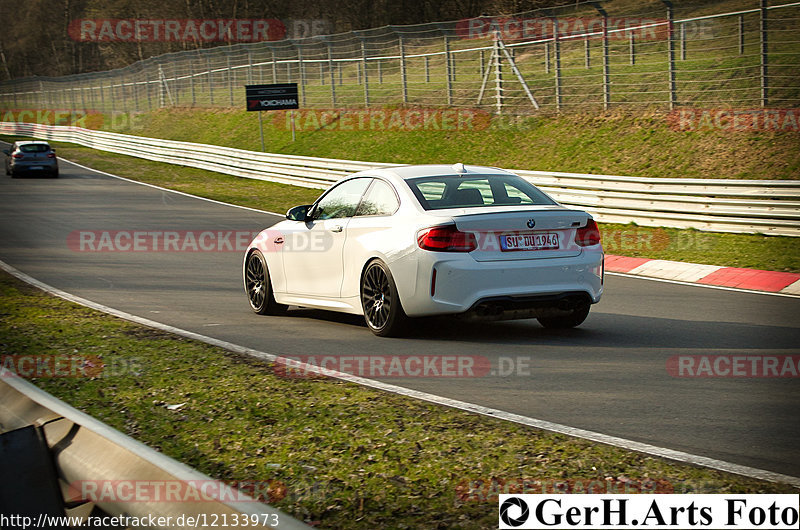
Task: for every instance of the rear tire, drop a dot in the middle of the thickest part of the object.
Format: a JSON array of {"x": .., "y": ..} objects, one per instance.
[
  {"x": 258, "y": 286},
  {"x": 381, "y": 304},
  {"x": 54, "y": 174},
  {"x": 571, "y": 320}
]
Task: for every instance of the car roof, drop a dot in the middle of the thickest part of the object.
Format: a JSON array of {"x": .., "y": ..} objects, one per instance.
[
  {"x": 434, "y": 170},
  {"x": 32, "y": 142}
]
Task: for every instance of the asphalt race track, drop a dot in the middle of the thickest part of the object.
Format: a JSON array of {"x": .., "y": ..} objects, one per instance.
[{"x": 608, "y": 376}]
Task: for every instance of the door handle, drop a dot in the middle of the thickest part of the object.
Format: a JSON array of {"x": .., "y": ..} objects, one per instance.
[{"x": 337, "y": 228}]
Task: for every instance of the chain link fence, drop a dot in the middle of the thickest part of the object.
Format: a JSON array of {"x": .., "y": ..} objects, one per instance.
[{"x": 564, "y": 59}]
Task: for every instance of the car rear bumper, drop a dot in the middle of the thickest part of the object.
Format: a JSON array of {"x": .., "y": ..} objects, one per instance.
[{"x": 456, "y": 283}]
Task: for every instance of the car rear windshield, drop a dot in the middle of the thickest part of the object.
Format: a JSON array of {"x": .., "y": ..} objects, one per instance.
[
  {"x": 469, "y": 191},
  {"x": 34, "y": 148}
]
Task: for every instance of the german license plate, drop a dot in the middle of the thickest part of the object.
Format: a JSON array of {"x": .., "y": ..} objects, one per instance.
[{"x": 538, "y": 241}]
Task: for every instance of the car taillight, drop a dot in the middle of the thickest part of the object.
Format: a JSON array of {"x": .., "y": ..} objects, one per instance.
[
  {"x": 446, "y": 239},
  {"x": 588, "y": 235},
  {"x": 18, "y": 156},
  {"x": 51, "y": 155}
]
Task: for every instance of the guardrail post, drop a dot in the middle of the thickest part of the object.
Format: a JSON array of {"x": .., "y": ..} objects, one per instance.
[
  {"x": 764, "y": 57},
  {"x": 671, "y": 53}
]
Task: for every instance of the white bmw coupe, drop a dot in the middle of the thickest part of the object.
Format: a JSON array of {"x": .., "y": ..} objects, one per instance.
[{"x": 413, "y": 241}]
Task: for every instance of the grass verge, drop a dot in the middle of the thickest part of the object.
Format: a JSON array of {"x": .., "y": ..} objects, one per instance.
[
  {"x": 635, "y": 143},
  {"x": 335, "y": 454},
  {"x": 734, "y": 250}
]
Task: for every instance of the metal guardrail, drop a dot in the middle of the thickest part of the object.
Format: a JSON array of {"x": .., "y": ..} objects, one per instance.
[
  {"x": 85, "y": 449},
  {"x": 716, "y": 205}
]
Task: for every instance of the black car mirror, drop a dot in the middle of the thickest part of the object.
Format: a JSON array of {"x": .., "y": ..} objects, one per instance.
[{"x": 298, "y": 213}]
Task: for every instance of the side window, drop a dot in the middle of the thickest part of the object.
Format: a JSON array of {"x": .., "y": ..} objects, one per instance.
[
  {"x": 380, "y": 199},
  {"x": 342, "y": 200}
]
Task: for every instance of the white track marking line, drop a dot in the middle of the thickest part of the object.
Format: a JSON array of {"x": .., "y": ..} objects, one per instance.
[{"x": 623, "y": 443}]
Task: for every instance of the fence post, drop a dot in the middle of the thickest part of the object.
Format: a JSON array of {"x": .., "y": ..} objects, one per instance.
[
  {"x": 632, "y": 47},
  {"x": 301, "y": 67},
  {"x": 498, "y": 75},
  {"x": 403, "y": 79},
  {"x": 249, "y": 67},
  {"x": 606, "y": 74},
  {"x": 191, "y": 80},
  {"x": 764, "y": 57},
  {"x": 483, "y": 62},
  {"x": 427, "y": 69},
  {"x": 380, "y": 71},
  {"x": 230, "y": 78},
  {"x": 135, "y": 89},
  {"x": 274, "y": 66},
  {"x": 671, "y": 53},
  {"x": 741, "y": 34},
  {"x": 448, "y": 71},
  {"x": 175, "y": 85},
  {"x": 586, "y": 58},
  {"x": 557, "y": 50},
  {"x": 331, "y": 74},
  {"x": 364, "y": 67},
  {"x": 547, "y": 57},
  {"x": 683, "y": 41},
  {"x": 210, "y": 82}
]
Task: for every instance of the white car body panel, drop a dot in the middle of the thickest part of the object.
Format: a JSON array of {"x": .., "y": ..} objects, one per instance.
[{"x": 318, "y": 266}]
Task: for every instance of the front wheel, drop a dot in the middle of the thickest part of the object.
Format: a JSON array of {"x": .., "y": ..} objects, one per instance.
[
  {"x": 382, "y": 310},
  {"x": 258, "y": 286},
  {"x": 570, "y": 320}
]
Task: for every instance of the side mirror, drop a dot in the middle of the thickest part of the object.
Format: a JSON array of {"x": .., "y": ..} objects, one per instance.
[
  {"x": 298, "y": 213},
  {"x": 7, "y": 152}
]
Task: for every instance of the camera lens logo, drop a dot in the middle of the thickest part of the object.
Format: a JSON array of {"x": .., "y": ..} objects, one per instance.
[{"x": 523, "y": 509}]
